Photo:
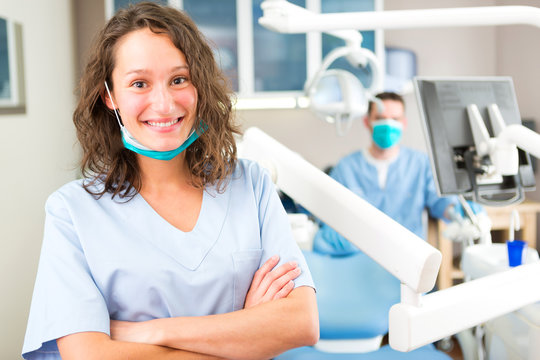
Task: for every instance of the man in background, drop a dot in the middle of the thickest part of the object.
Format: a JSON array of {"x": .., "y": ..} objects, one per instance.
[{"x": 395, "y": 179}]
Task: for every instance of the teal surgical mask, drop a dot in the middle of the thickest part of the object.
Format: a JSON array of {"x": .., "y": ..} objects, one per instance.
[
  {"x": 132, "y": 144},
  {"x": 387, "y": 133}
]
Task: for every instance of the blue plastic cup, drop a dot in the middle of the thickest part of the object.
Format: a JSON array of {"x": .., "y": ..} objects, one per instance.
[{"x": 515, "y": 252}]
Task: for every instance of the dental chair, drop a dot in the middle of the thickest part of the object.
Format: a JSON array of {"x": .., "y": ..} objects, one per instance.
[{"x": 354, "y": 295}]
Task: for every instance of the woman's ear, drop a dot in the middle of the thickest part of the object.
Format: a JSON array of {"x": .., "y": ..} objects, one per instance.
[
  {"x": 106, "y": 97},
  {"x": 107, "y": 100}
]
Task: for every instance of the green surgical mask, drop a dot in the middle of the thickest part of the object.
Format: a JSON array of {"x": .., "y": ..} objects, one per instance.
[{"x": 387, "y": 133}]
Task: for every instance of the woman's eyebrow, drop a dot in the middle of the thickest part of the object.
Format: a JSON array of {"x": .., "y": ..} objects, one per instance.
[
  {"x": 136, "y": 71},
  {"x": 144, "y": 71},
  {"x": 181, "y": 67}
]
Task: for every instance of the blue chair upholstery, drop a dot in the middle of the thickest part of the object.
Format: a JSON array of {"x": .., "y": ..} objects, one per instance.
[
  {"x": 427, "y": 352},
  {"x": 354, "y": 295}
]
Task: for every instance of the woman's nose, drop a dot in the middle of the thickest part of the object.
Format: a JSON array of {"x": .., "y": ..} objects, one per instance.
[{"x": 162, "y": 101}]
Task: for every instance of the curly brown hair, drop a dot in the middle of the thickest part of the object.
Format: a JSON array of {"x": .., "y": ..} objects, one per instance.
[{"x": 210, "y": 159}]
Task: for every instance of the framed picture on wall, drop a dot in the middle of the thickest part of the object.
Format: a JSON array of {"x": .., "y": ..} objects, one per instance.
[{"x": 11, "y": 66}]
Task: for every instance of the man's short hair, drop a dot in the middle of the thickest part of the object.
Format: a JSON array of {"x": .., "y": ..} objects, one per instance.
[{"x": 387, "y": 95}]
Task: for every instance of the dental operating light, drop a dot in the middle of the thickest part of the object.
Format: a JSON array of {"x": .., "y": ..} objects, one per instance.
[{"x": 337, "y": 96}]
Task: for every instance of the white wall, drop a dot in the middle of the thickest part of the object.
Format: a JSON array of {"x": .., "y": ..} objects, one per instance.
[{"x": 37, "y": 155}]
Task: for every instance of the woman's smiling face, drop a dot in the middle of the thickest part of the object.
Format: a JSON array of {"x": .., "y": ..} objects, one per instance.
[{"x": 152, "y": 90}]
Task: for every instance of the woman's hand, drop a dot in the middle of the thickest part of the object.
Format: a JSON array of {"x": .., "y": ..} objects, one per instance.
[{"x": 269, "y": 284}]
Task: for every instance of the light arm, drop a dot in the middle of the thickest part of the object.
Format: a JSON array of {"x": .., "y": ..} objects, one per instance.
[
  {"x": 351, "y": 37},
  {"x": 282, "y": 16}
]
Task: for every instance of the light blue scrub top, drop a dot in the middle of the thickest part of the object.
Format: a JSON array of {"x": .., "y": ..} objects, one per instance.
[
  {"x": 105, "y": 259},
  {"x": 409, "y": 189}
]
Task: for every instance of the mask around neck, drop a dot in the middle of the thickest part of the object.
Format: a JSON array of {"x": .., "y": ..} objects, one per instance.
[{"x": 132, "y": 144}]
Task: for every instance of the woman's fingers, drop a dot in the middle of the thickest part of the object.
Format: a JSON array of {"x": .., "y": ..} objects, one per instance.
[
  {"x": 285, "y": 290},
  {"x": 276, "y": 273},
  {"x": 283, "y": 285},
  {"x": 263, "y": 270},
  {"x": 271, "y": 282},
  {"x": 255, "y": 293}
]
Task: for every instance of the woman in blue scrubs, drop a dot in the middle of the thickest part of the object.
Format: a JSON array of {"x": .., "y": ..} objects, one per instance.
[{"x": 170, "y": 246}]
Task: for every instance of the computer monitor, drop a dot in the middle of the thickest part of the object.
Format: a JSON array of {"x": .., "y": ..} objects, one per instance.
[{"x": 457, "y": 168}]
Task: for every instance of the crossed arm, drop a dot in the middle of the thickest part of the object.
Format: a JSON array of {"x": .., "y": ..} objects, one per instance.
[{"x": 275, "y": 318}]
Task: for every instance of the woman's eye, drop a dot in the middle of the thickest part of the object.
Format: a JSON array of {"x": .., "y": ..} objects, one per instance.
[
  {"x": 179, "y": 80},
  {"x": 138, "y": 84}
]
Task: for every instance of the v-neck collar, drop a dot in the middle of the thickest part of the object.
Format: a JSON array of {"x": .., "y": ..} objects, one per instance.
[{"x": 187, "y": 248}]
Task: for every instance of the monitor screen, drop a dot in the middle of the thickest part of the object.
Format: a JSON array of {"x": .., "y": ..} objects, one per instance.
[{"x": 456, "y": 167}]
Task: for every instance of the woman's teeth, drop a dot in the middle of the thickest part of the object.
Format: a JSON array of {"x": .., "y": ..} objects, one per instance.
[{"x": 163, "y": 124}]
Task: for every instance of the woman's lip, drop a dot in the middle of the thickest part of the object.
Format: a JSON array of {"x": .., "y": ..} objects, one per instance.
[
  {"x": 163, "y": 122},
  {"x": 164, "y": 125}
]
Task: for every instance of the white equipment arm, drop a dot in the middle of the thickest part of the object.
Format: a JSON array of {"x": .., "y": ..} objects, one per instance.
[
  {"x": 415, "y": 321},
  {"x": 398, "y": 250},
  {"x": 502, "y": 147},
  {"x": 522, "y": 137},
  {"x": 449, "y": 311},
  {"x": 282, "y": 16}
]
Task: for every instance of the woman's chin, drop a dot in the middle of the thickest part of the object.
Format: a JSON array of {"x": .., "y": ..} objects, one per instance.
[{"x": 166, "y": 147}]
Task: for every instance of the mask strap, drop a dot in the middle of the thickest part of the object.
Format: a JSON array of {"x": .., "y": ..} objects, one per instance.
[{"x": 114, "y": 106}]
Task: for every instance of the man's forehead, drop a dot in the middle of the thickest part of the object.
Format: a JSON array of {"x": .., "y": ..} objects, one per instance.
[
  {"x": 392, "y": 108},
  {"x": 392, "y": 103}
]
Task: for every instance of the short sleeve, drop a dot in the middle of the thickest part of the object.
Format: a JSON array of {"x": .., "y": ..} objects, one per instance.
[
  {"x": 66, "y": 299},
  {"x": 276, "y": 232}
]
